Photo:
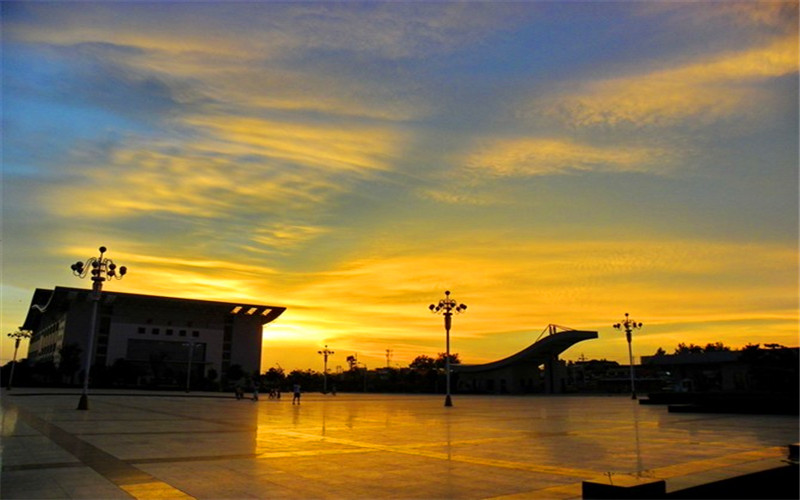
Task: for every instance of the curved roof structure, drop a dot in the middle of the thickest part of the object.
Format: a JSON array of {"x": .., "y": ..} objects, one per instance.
[{"x": 545, "y": 348}]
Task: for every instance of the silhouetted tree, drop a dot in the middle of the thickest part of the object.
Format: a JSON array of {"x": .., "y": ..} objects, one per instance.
[
  {"x": 274, "y": 377},
  {"x": 774, "y": 369},
  {"x": 423, "y": 363},
  {"x": 234, "y": 372},
  {"x": 309, "y": 380},
  {"x": 690, "y": 348},
  {"x": 158, "y": 367},
  {"x": 716, "y": 347},
  {"x": 70, "y": 362},
  {"x": 125, "y": 373},
  {"x": 44, "y": 372},
  {"x": 210, "y": 382},
  {"x": 696, "y": 349},
  {"x": 441, "y": 360}
]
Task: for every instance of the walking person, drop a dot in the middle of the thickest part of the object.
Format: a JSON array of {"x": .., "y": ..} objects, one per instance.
[{"x": 296, "y": 390}]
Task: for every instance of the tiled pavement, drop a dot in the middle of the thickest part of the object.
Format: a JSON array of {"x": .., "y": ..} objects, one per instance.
[{"x": 159, "y": 445}]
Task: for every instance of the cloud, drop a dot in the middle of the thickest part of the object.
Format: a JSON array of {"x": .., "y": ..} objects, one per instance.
[
  {"x": 704, "y": 91},
  {"x": 544, "y": 156},
  {"x": 773, "y": 16},
  {"x": 335, "y": 59},
  {"x": 227, "y": 167},
  {"x": 284, "y": 236},
  {"x": 321, "y": 146}
]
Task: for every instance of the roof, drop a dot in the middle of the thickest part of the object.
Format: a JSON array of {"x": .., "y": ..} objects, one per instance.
[
  {"x": 45, "y": 299},
  {"x": 544, "y": 348}
]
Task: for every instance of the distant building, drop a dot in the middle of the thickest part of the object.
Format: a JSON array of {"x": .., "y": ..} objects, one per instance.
[
  {"x": 534, "y": 369},
  {"x": 771, "y": 369},
  {"x": 154, "y": 334}
]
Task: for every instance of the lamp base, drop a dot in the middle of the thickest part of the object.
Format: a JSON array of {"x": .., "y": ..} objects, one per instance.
[
  {"x": 448, "y": 401},
  {"x": 83, "y": 404}
]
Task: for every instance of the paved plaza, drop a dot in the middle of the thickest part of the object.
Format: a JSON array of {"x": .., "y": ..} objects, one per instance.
[{"x": 208, "y": 446}]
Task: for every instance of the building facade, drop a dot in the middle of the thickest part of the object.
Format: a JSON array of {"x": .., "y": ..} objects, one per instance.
[{"x": 157, "y": 335}]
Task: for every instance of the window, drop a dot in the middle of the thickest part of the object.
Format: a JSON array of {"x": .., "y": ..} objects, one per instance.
[
  {"x": 155, "y": 331},
  {"x": 195, "y": 333},
  {"x": 141, "y": 329},
  {"x": 182, "y": 333},
  {"x": 169, "y": 331}
]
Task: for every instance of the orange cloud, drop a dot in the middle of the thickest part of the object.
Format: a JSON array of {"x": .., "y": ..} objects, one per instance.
[
  {"x": 703, "y": 91},
  {"x": 540, "y": 156}
]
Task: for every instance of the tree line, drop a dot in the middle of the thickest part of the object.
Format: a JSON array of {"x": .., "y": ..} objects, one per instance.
[{"x": 424, "y": 374}]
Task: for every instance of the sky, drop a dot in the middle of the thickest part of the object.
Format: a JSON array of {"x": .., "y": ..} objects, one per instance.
[{"x": 547, "y": 162}]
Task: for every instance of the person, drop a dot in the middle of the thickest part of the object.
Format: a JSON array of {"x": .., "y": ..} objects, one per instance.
[
  {"x": 238, "y": 390},
  {"x": 296, "y": 389},
  {"x": 256, "y": 383}
]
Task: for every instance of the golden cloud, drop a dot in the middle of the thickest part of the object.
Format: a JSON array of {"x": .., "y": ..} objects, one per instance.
[
  {"x": 541, "y": 156},
  {"x": 703, "y": 91},
  {"x": 240, "y": 165},
  {"x": 326, "y": 147}
]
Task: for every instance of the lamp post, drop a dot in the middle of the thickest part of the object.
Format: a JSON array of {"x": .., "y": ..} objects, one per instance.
[
  {"x": 629, "y": 325},
  {"x": 17, "y": 336},
  {"x": 325, "y": 353},
  {"x": 446, "y": 306},
  {"x": 102, "y": 269},
  {"x": 190, "y": 344}
]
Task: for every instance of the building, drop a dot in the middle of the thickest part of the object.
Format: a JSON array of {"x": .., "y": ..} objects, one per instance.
[
  {"x": 156, "y": 335},
  {"x": 773, "y": 369},
  {"x": 534, "y": 369}
]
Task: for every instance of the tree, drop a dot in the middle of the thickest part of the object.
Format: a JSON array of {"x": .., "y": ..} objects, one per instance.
[
  {"x": 70, "y": 362},
  {"x": 716, "y": 347},
  {"x": 696, "y": 349},
  {"x": 352, "y": 361},
  {"x": 441, "y": 360},
  {"x": 210, "y": 383},
  {"x": 660, "y": 352},
  {"x": 423, "y": 363},
  {"x": 774, "y": 369},
  {"x": 309, "y": 380},
  {"x": 274, "y": 377},
  {"x": 234, "y": 373},
  {"x": 690, "y": 348}
]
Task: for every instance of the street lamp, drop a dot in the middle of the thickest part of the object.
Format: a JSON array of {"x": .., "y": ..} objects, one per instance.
[
  {"x": 446, "y": 306},
  {"x": 17, "y": 336},
  {"x": 325, "y": 353},
  {"x": 629, "y": 325},
  {"x": 102, "y": 269}
]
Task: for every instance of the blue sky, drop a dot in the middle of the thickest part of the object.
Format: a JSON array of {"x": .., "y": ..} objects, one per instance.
[{"x": 548, "y": 162}]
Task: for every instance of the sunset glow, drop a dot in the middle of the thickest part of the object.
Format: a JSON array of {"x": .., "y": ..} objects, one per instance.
[{"x": 547, "y": 162}]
